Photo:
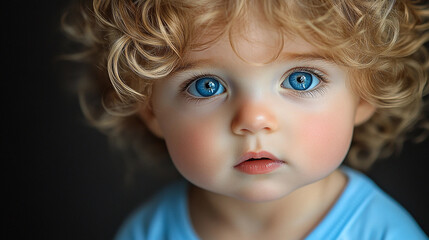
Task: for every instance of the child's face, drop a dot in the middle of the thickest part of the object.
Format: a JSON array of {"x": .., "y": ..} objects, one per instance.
[{"x": 298, "y": 108}]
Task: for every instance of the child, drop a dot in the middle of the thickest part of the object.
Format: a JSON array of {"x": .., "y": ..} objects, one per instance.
[{"x": 258, "y": 104}]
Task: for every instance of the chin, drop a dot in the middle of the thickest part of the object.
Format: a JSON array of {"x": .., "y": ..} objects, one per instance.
[{"x": 263, "y": 194}]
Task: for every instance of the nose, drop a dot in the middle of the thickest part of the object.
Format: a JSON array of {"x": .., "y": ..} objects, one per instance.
[{"x": 252, "y": 118}]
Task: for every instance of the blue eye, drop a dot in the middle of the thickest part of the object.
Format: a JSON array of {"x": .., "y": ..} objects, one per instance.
[
  {"x": 206, "y": 87},
  {"x": 300, "y": 81}
]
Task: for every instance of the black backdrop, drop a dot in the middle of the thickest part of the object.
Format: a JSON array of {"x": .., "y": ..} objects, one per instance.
[{"x": 61, "y": 179}]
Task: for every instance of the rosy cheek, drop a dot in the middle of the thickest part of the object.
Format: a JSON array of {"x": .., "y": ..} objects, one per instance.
[
  {"x": 325, "y": 139},
  {"x": 192, "y": 145}
]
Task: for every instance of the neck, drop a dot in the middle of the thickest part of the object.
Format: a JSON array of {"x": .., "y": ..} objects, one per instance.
[{"x": 301, "y": 210}]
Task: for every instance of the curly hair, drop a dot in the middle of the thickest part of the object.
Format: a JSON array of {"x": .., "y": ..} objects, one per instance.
[{"x": 130, "y": 44}]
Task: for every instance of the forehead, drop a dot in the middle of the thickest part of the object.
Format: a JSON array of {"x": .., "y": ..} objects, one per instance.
[{"x": 258, "y": 45}]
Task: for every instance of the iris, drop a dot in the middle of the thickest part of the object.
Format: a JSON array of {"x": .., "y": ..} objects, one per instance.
[
  {"x": 206, "y": 87},
  {"x": 300, "y": 81}
]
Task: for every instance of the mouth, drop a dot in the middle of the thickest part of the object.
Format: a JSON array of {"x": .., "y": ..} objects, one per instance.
[{"x": 258, "y": 163}]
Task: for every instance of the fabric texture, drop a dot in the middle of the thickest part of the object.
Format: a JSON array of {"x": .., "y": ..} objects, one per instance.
[{"x": 363, "y": 211}]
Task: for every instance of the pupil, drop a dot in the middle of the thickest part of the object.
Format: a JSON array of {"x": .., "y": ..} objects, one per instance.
[
  {"x": 210, "y": 86},
  {"x": 301, "y": 79}
]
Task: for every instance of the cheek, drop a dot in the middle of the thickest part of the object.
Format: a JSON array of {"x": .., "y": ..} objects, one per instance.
[
  {"x": 194, "y": 147},
  {"x": 325, "y": 138}
]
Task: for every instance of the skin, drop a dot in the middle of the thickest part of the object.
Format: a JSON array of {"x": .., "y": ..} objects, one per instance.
[{"x": 205, "y": 137}]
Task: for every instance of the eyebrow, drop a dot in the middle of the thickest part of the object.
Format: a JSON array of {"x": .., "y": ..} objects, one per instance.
[
  {"x": 282, "y": 57},
  {"x": 305, "y": 57},
  {"x": 192, "y": 65}
]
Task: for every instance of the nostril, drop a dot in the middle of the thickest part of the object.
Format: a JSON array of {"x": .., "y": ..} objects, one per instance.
[
  {"x": 251, "y": 129},
  {"x": 251, "y": 119}
]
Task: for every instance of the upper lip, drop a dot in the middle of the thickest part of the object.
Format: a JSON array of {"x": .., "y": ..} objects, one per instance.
[{"x": 257, "y": 155}]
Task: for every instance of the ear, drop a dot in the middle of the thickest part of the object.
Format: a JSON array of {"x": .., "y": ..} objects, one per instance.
[
  {"x": 148, "y": 117},
  {"x": 364, "y": 112}
]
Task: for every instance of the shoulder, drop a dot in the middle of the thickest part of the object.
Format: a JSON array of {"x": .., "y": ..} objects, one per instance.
[
  {"x": 381, "y": 214},
  {"x": 162, "y": 217},
  {"x": 364, "y": 211}
]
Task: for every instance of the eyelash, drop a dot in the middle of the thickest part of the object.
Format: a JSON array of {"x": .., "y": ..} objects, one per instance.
[{"x": 318, "y": 91}]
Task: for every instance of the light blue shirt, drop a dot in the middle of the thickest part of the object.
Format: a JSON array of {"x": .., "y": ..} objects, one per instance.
[{"x": 362, "y": 212}]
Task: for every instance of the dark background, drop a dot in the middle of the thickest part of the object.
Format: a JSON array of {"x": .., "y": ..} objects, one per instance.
[{"x": 61, "y": 179}]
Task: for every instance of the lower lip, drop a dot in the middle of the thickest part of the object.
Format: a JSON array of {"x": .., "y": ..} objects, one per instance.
[{"x": 259, "y": 166}]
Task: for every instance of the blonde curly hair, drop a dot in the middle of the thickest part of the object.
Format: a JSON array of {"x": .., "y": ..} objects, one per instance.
[{"x": 129, "y": 44}]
